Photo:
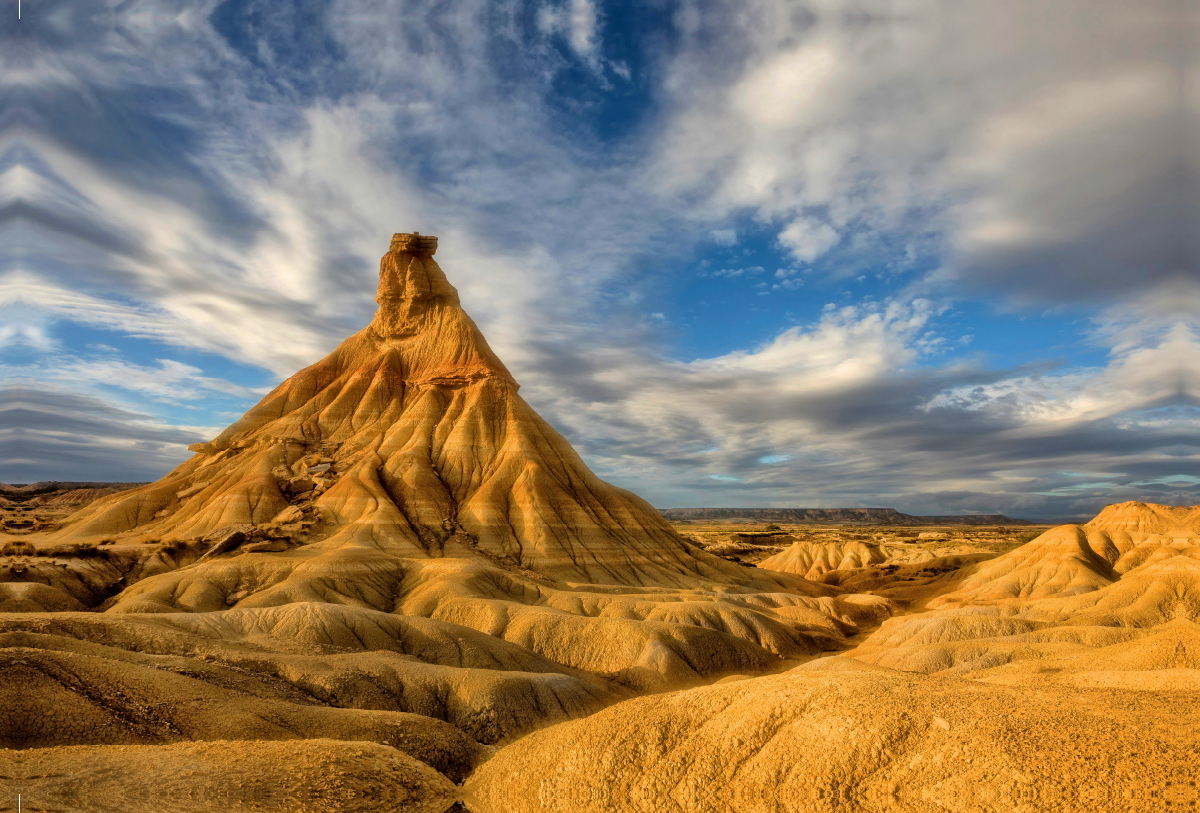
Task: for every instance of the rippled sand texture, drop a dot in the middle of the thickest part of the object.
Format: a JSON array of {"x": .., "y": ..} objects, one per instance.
[{"x": 392, "y": 586}]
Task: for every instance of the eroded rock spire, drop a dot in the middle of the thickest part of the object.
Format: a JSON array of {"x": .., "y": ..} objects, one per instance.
[{"x": 416, "y": 443}]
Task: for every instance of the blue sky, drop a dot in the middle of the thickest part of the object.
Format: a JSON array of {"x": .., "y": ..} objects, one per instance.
[{"x": 753, "y": 253}]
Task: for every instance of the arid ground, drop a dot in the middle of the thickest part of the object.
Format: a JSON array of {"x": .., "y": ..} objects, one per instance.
[{"x": 392, "y": 586}]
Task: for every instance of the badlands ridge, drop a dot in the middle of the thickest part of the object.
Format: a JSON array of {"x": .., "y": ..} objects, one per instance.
[{"x": 392, "y": 586}]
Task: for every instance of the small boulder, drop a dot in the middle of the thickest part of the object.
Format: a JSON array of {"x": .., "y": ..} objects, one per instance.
[
  {"x": 288, "y": 515},
  {"x": 190, "y": 490},
  {"x": 266, "y": 546},
  {"x": 227, "y": 538},
  {"x": 299, "y": 485}
]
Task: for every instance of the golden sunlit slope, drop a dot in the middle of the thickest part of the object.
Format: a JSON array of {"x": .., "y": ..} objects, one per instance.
[
  {"x": 1112, "y": 601},
  {"x": 1060, "y": 676},
  {"x": 835, "y": 736},
  {"x": 1056, "y": 676},
  {"x": 1123, "y": 543}
]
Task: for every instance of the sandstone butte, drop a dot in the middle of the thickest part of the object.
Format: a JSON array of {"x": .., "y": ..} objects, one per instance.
[{"x": 392, "y": 586}]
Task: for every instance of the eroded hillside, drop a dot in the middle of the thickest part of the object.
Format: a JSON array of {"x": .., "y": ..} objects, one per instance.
[{"x": 392, "y": 585}]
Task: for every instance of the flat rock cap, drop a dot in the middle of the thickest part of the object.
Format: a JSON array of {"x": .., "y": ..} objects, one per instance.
[{"x": 415, "y": 243}]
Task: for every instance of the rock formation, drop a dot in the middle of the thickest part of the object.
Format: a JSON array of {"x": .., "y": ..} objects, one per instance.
[
  {"x": 411, "y": 437},
  {"x": 392, "y": 568}
]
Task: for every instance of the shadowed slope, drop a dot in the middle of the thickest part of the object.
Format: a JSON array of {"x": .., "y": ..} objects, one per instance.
[{"x": 314, "y": 776}]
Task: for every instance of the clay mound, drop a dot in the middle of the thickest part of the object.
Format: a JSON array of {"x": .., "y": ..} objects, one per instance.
[
  {"x": 1058, "y": 604},
  {"x": 1017, "y": 652},
  {"x": 814, "y": 559},
  {"x": 1138, "y": 518},
  {"x": 295, "y": 671},
  {"x": 1066, "y": 560},
  {"x": 837, "y": 736},
  {"x": 648, "y": 639},
  {"x": 1165, "y": 586},
  {"x": 1072, "y": 560},
  {"x": 410, "y": 437},
  {"x": 83, "y": 697},
  {"x": 315, "y": 776}
]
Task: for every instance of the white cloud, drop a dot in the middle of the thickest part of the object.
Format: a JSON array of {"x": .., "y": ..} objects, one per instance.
[
  {"x": 731, "y": 273},
  {"x": 807, "y": 240},
  {"x": 1033, "y": 151},
  {"x": 579, "y": 22}
]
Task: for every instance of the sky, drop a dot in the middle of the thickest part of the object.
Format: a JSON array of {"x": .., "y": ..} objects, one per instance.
[{"x": 933, "y": 256}]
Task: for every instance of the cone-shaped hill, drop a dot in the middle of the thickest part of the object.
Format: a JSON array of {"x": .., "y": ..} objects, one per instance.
[
  {"x": 411, "y": 436},
  {"x": 404, "y": 476}
]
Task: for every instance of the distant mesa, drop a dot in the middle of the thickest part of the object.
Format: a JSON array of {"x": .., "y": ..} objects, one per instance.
[
  {"x": 837, "y": 516},
  {"x": 47, "y": 486}
]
